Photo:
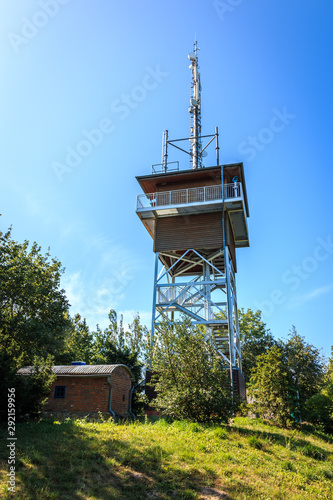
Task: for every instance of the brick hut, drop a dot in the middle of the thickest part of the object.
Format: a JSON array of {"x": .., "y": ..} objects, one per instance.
[{"x": 83, "y": 389}]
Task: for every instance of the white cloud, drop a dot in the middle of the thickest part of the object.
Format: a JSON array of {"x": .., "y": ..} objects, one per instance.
[
  {"x": 129, "y": 315},
  {"x": 102, "y": 285},
  {"x": 320, "y": 291},
  {"x": 299, "y": 300},
  {"x": 74, "y": 289},
  {"x": 99, "y": 269}
]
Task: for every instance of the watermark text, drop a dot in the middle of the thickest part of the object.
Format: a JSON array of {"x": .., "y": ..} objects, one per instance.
[
  {"x": 31, "y": 27},
  {"x": 11, "y": 445}
]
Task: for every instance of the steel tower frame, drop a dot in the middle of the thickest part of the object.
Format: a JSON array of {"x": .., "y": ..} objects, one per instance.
[
  {"x": 208, "y": 297},
  {"x": 198, "y": 283}
]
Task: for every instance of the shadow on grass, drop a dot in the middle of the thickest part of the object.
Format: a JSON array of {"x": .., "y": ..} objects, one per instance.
[
  {"x": 70, "y": 461},
  {"x": 66, "y": 460},
  {"x": 291, "y": 442}
]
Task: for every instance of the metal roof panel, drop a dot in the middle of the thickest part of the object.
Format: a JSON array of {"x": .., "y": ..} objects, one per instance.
[{"x": 78, "y": 370}]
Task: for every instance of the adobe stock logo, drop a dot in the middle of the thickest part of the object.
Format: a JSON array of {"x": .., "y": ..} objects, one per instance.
[
  {"x": 266, "y": 135},
  {"x": 294, "y": 276},
  {"x": 121, "y": 108},
  {"x": 225, "y": 7},
  {"x": 31, "y": 27}
]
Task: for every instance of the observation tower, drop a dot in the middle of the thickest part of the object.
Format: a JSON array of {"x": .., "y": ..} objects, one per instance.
[{"x": 197, "y": 218}]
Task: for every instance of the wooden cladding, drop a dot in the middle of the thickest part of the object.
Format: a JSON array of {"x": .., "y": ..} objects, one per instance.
[
  {"x": 230, "y": 240},
  {"x": 188, "y": 184},
  {"x": 189, "y": 231},
  {"x": 199, "y": 231},
  {"x": 181, "y": 179}
]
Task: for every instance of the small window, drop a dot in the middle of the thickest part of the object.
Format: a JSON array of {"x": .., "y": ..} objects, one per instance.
[
  {"x": 123, "y": 397},
  {"x": 59, "y": 391}
]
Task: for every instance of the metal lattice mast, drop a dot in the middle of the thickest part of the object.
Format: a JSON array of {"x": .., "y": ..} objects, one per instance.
[{"x": 195, "y": 110}]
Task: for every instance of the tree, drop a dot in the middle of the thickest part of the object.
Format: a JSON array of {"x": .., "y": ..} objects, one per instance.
[
  {"x": 306, "y": 368},
  {"x": 269, "y": 387},
  {"x": 32, "y": 305},
  {"x": 285, "y": 378},
  {"x": 115, "y": 345},
  {"x": 120, "y": 347},
  {"x": 319, "y": 407},
  {"x": 255, "y": 338},
  {"x": 32, "y": 390},
  {"x": 189, "y": 378},
  {"x": 319, "y": 410},
  {"x": 79, "y": 342},
  {"x": 32, "y": 317}
]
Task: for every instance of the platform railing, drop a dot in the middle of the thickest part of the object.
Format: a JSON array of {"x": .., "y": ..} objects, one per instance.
[
  {"x": 191, "y": 298},
  {"x": 182, "y": 295},
  {"x": 189, "y": 196},
  {"x": 161, "y": 168}
]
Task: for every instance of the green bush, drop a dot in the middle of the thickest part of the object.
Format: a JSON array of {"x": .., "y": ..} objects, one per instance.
[
  {"x": 189, "y": 378},
  {"x": 319, "y": 411}
]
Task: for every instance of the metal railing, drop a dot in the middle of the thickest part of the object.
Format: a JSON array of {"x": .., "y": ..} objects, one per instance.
[
  {"x": 161, "y": 168},
  {"x": 189, "y": 196},
  {"x": 182, "y": 295},
  {"x": 191, "y": 298}
]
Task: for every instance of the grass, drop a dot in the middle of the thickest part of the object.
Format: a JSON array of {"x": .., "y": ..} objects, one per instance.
[{"x": 249, "y": 459}]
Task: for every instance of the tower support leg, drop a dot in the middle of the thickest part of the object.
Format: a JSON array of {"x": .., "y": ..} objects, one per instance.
[{"x": 154, "y": 300}]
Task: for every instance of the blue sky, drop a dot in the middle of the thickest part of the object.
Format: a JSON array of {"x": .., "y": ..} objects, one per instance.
[{"x": 86, "y": 92}]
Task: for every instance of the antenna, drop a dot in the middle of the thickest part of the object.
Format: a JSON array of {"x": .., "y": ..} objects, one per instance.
[
  {"x": 195, "y": 151},
  {"x": 195, "y": 110}
]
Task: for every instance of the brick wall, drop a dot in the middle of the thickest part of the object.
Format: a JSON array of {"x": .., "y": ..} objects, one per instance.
[
  {"x": 121, "y": 388},
  {"x": 92, "y": 394}
]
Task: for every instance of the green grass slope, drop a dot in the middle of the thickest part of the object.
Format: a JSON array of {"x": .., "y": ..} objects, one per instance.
[{"x": 78, "y": 460}]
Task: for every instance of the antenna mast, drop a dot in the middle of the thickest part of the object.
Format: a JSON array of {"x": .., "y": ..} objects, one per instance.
[{"x": 195, "y": 110}]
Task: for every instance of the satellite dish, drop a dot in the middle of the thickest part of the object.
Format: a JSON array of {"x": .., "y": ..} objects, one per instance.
[
  {"x": 191, "y": 56},
  {"x": 194, "y": 102},
  {"x": 204, "y": 154}
]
